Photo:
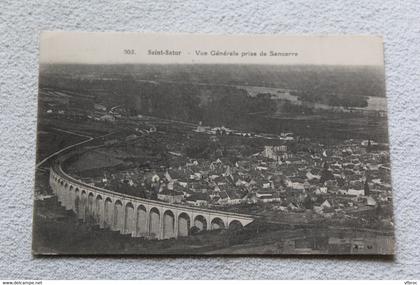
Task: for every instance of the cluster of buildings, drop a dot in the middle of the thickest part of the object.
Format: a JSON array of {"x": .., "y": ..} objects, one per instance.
[{"x": 345, "y": 178}]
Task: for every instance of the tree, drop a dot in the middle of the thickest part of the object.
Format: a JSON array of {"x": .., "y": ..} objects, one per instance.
[
  {"x": 366, "y": 188},
  {"x": 326, "y": 174},
  {"x": 369, "y": 146},
  {"x": 308, "y": 203}
]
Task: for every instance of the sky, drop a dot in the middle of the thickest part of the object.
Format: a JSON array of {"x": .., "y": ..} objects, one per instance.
[{"x": 122, "y": 48}]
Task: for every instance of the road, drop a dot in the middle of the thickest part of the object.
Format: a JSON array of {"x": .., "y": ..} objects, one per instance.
[{"x": 89, "y": 138}]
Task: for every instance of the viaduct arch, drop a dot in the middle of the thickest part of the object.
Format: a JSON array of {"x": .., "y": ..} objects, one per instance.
[{"x": 136, "y": 216}]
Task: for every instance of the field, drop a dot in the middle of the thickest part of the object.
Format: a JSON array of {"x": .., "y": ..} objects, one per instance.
[
  {"x": 53, "y": 140},
  {"x": 338, "y": 126}
]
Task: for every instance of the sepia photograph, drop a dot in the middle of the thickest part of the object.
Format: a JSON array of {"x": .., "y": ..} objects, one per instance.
[{"x": 182, "y": 144}]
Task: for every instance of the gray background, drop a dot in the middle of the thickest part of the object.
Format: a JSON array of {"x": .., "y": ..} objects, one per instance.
[{"x": 20, "y": 23}]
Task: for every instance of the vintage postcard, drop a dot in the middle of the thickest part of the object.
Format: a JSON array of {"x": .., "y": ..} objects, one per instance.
[{"x": 212, "y": 145}]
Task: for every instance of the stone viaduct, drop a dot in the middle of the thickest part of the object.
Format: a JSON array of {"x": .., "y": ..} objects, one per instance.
[{"x": 136, "y": 216}]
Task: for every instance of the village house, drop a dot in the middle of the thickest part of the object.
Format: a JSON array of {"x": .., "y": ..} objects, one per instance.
[
  {"x": 170, "y": 196},
  {"x": 267, "y": 196},
  {"x": 320, "y": 208},
  {"x": 352, "y": 192},
  {"x": 197, "y": 199}
]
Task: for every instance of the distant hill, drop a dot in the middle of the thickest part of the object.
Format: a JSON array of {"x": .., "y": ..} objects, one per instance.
[
  {"x": 215, "y": 94},
  {"x": 315, "y": 79}
]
